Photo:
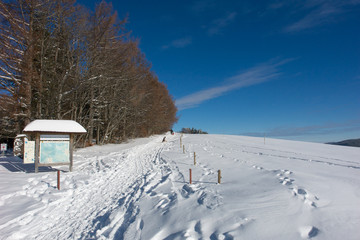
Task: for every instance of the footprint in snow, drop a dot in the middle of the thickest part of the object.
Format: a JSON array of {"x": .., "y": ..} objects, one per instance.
[
  {"x": 231, "y": 227},
  {"x": 286, "y": 180},
  {"x": 225, "y": 236},
  {"x": 153, "y": 194},
  {"x": 306, "y": 196},
  {"x": 140, "y": 225},
  {"x": 166, "y": 202},
  {"x": 192, "y": 232},
  {"x": 283, "y": 172},
  {"x": 197, "y": 227},
  {"x": 162, "y": 203},
  {"x": 307, "y": 232},
  {"x": 283, "y": 177},
  {"x": 286, "y": 172},
  {"x": 186, "y": 191},
  {"x": 210, "y": 200},
  {"x": 207, "y": 172}
]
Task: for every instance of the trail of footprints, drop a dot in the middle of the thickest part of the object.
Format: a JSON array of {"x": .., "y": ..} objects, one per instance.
[
  {"x": 284, "y": 177},
  {"x": 309, "y": 199},
  {"x": 35, "y": 188},
  {"x": 208, "y": 199}
]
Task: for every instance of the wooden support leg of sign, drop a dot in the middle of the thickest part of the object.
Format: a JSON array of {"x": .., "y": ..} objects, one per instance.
[
  {"x": 37, "y": 152},
  {"x": 194, "y": 158},
  {"x": 71, "y": 152}
]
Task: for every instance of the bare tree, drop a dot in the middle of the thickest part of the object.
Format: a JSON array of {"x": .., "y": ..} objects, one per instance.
[{"x": 60, "y": 61}]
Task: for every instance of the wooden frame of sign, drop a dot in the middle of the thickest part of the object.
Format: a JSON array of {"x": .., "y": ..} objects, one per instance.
[{"x": 56, "y": 134}]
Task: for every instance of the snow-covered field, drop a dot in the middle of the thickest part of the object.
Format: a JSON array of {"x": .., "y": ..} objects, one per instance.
[{"x": 140, "y": 190}]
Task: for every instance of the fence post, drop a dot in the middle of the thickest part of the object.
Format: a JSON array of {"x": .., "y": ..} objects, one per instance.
[
  {"x": 264, "y": 138},
  {"x": 219, "y": 176},
  {"x": 190, "y": 176},
  {"x": 194, "y": 158},
  {"x": 183, "y": 148},
  {"x": 58, "y": 180}
]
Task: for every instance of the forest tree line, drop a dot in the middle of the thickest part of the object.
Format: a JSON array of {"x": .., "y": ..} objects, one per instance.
[
  {"x": 59, "y": 60},
  {"x": 192, "y": 131}
]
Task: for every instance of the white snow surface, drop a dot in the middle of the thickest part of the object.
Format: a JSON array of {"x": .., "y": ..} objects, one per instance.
[
  {"x": 60, "y": 126},
  {"x": 140, "y": 190}
]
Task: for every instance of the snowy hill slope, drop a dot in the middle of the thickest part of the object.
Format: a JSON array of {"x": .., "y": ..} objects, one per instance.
[{"x": 140, "y": 190}]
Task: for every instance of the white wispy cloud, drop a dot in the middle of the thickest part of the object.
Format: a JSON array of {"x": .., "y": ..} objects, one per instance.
[
  {"x": 317, "y": 17},
  {"x": 253, "y": 76},
  {"x": 220, "y": 23},
  {"x": 320, "y": 12},
  {"x": 179, "y": 43}
]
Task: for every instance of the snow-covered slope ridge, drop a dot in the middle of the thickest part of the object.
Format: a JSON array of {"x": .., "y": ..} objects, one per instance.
[{"x": 140, "y": 190}]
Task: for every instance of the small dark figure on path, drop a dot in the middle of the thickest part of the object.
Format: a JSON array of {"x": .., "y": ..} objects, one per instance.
[
  {"x": 164, "y": 139},
  {"x": 172, "y": 132}
]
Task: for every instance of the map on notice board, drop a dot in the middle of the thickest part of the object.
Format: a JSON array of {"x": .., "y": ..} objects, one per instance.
[
  {"x": 54, "y": 152},
  {"x": 29, "y": 151}
]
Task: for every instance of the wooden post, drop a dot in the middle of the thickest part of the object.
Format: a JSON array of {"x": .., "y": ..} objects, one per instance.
[
  {"x": 264, "y": 138},
  {"x": 190, "y": 176},
  {"x": 183, "y": 148},
  {"x": 37, "y": 152},
  {"x": 58, "y": 180},
  {"x": 71, "y": 150},
  {"x": 219, "y": 176},
  {"x": 194, "y": 158},
  {"x": 180, "y": 142}
]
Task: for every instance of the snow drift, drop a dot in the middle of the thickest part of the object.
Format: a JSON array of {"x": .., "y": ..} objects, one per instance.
[{"x": 140, "y": 190}]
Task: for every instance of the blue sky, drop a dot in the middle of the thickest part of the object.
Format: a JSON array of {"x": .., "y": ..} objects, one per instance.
[{"x": 287, "y": 69}]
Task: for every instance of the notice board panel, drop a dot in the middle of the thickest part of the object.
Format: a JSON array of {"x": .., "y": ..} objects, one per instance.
[
  {"x": 29, "y": 151},
  {"x": 54, "y": 152}
]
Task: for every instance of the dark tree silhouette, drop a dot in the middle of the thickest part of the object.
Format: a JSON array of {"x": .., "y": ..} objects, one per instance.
[{"x": 61, "y": 61}]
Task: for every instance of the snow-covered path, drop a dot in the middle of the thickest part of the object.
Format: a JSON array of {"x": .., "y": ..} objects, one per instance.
[
  {"x": 98, "y": 198},
  {"x": 140, "y": 190}
]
